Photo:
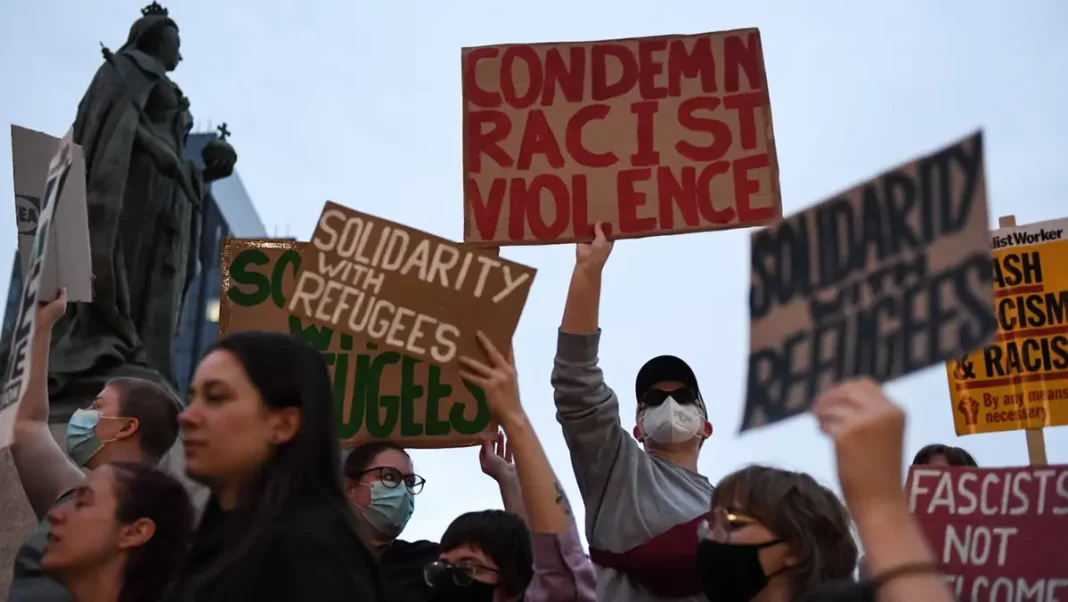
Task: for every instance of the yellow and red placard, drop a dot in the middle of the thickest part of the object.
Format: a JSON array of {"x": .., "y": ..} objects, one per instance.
[{"x": 1020, "y": 380}]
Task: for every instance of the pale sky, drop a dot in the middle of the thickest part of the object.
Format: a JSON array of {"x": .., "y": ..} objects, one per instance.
[{"x": 360, "y": 104}]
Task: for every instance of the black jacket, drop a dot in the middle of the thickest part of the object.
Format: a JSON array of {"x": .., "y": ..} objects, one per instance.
[
  {"x": 402, "y": 568},
  {"x": 312, "y": 553}
]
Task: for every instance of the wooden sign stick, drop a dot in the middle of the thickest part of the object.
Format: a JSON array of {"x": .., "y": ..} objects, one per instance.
[{"x": 1036, "y": 439}]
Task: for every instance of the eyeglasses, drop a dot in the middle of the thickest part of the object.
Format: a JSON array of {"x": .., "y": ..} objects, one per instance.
[
  {"x": 392, "y": 478},
  {"x": 655, "y": 397},
  {"x": 435, "y": 572},
  {"x": 735, "y": 522}
]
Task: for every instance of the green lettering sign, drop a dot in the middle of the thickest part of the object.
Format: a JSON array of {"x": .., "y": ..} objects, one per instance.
[{"x": 389, "y": 394}]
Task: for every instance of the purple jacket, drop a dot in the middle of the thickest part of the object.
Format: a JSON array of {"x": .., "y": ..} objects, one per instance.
[{"x": 562, "y": 571}]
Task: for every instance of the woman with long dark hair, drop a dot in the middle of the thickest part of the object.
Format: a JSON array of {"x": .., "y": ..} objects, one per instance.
[
  {"x": 260, "y": 432},
  {"x": 122, "y": 537}
]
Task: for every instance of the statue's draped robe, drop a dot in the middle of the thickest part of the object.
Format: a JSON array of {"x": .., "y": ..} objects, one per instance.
[{"x": 143, "y": 231}]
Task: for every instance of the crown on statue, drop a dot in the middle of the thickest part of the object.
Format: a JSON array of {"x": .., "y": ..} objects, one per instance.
[{"x": 154, "y": 10}]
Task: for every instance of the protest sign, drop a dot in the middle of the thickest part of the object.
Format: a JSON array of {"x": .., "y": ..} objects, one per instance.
[
  {"x": 406, "y": 289},
  {"x": 884, "y": 279},
  {"x": 998, "y": 533},
  {"x": 1020, "y": 380},
  {"x": 19, "y": 366},
  {"x": 652, "y": 136},
  {"x": 70, "y": 263},
  {"x": 379, "y": 393}
]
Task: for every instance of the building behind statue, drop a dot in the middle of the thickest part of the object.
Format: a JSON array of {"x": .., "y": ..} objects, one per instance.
[{"x": 228, "y": 211}]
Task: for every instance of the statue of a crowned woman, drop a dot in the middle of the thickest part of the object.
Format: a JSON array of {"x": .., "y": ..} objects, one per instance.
[{"x": 144, "y": 200}]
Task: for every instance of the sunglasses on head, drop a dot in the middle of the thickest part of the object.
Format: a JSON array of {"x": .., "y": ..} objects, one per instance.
[{"x": 655, "y": 397}]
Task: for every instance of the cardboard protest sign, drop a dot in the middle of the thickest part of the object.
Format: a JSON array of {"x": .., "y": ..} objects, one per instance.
[
  {"x": 1020, "y": 380},
  {"x": 998, "y": 533},
  {"x": 70, "y": 262},
  {"x": 406, "y": 289},
  {"x": 379, "y": 393},
  {"x": 887, "y": 278},
  {"x": 18, "y": 370},
  {"x": 653, "y": 136}
]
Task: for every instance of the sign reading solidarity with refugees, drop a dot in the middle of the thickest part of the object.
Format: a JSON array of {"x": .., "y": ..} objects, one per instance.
[
  {"x": 882, "y": 280},
  {"x": 406, "y": 289},
  {"x": 1020, "y": 381},
  {"x": 998, "y": 533},
  {"x": 650, "y": 136},
  {"x": 379, "y": 393},
  {"x": 18, "y": 369}
]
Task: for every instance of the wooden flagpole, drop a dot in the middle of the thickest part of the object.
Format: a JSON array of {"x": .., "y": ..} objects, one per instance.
[{"x": 1036, "y": 439}]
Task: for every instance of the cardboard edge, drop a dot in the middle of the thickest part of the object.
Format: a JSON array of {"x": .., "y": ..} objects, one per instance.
[
  {"x": 914, "y": 159},
  {"x": 480, "y": 246},
  {"x": 231, "y": 246},
  {"x": 474, "y": 440},
  {"x": 468, "y": 231},
  {"x": 669, "y": 36},
  {"x": 1058, "y": 222},
  {"x": 769, "y": 136},
  {"x": 484, "y": 244}
]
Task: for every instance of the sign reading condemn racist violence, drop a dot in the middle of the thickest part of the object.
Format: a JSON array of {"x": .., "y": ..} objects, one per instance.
[
  {"x": 379, "y": 393},
  {"x": 409, "y": 290},
  {"x": 1020, "y": 381},
  {"x": 882, "y": 280},
  {"x": 650, "y": 136},
  {"x": 20, "y": 359},
  {"x": 998, "y": 533}
]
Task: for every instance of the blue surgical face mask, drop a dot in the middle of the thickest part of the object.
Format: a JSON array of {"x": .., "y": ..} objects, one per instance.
[
  {"x": 82, "y": 442},
  {"x": 390, "y": 509}
]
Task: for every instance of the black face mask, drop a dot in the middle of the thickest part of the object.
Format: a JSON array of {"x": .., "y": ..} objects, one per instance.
[
  {"x": 447, "y": 590},
  {"x": 732, "y": 572}
]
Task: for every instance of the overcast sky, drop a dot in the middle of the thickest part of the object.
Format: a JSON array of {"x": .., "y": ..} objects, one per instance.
[{"x": 360, "y": 103}]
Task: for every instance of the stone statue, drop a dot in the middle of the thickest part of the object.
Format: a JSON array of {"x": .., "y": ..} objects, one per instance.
[{"x": 144, "y": 199}]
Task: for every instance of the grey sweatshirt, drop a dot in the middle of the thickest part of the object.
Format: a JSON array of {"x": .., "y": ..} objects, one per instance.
[{"x": 629, "y": 496}]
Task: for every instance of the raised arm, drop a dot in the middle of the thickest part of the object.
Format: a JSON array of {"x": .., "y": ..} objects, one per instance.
[
  {"x": 868, "y": 433},
  {"x": 495, "y": 460},
  {"x": 44, "y": 469},
  {"x": 561, "y": 569},
  {"x": 586, "y": 407}
]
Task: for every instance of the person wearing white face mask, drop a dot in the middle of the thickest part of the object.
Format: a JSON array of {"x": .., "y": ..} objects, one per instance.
[
  {"x": 642, "y": 506},
  {"x": 671, "y": 413}
]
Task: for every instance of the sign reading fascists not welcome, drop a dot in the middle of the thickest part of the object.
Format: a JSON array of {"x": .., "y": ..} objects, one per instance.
[
  {"x": 409, "y": 290},
  {"x": 652, "y": 136},
  {"x": 379, "y": 394},
  {"x": 885, "y": 279},
  {"x": 998, "y": 533}
]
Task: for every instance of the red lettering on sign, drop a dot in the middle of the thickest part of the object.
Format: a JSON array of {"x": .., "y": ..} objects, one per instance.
[{"x": 651, "y": 135}]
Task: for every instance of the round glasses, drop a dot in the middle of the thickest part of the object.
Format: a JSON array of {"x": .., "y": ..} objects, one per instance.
[
  {"x": 392, "y": 478},
  {"x": 436, "y": 572},
  {"x": 733, "y": 523}
]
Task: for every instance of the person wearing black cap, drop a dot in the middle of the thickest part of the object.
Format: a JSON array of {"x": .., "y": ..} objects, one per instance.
[{"x": 643, "y": 507}]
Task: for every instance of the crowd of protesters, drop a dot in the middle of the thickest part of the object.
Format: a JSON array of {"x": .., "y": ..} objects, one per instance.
[{"x": 286, "y": 519}]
